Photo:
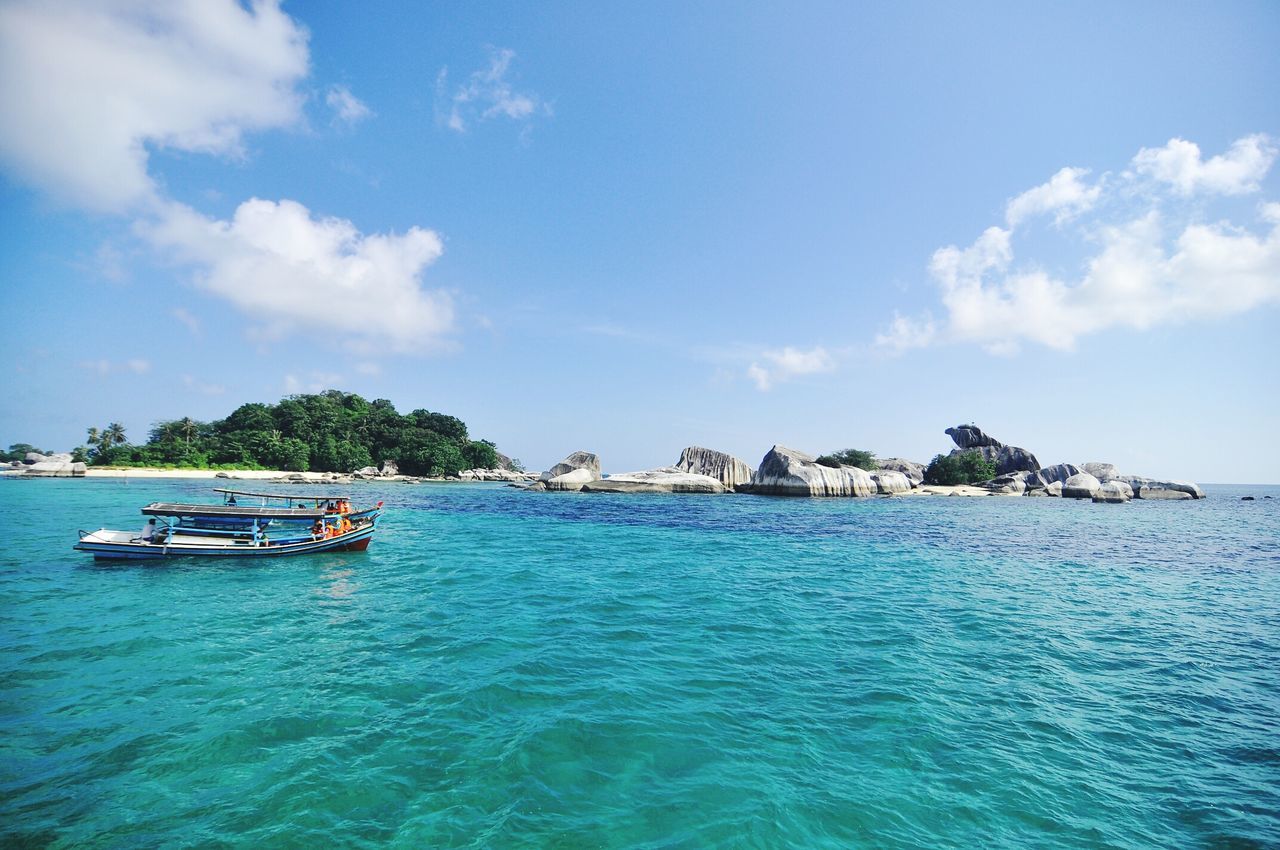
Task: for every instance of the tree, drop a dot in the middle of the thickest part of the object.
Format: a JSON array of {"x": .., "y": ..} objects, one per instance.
[
  {"x": 481, "y": 454},
  {"x": 968, "y": 467},
  {"x": 109, "y": 439},
  {"x": 850, "y": 457}
]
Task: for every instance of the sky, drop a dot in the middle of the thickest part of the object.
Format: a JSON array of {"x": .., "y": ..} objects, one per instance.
[{"x": 629, "y": 229}]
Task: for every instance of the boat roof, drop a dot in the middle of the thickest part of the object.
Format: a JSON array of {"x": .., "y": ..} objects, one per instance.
[
  {"x": 293, "y": 496},
  {"x": 246, "y": 511}
]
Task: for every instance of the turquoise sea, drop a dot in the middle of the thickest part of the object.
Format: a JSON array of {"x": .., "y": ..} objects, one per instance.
[{"x": 508, "y": 669}]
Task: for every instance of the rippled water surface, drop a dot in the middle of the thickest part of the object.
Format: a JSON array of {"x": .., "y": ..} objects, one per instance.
[{"x": 506, "y": 669}]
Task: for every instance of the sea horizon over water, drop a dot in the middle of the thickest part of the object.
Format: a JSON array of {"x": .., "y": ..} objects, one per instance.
[{"x": 512, "y": 669}]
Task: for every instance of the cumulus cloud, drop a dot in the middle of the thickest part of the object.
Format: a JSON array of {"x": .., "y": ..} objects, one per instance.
[
  {"x": 1236, "y": 172},
  {"x": 87, "y": 87},
  {"x": 786, "y": 363},
  {"x": 1065, "y": 195},
  {"x": 347, "y": 108},
  {"x": 1150, "y": 266},
  {"x": 486, "y": 94},
  {"x": 285, "y": 268}
]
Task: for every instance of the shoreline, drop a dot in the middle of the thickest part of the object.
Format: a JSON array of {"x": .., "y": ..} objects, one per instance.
[{"x": 155, "y": 473}]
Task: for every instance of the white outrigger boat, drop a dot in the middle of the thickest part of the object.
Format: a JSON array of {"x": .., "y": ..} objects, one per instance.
[{"x": 280, "y": 524}]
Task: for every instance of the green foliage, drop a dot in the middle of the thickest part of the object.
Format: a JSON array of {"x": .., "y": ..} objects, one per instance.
[
  {"x": 329, "y": 432},
  {"x": 850, "y": 457},
  {"x": 961, "y": 468},
  {"x": 18, "y": 451}
]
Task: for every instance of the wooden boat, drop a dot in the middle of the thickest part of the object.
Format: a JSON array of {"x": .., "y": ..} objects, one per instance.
[{"x": 299, "y": 526}]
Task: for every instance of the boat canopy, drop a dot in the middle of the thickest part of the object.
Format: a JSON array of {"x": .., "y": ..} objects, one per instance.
[
  {"x": 231, "y": 511},
  {"x": 288, "y": 497}
]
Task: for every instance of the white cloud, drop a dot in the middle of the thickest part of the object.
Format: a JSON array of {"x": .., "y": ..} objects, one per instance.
[
  {"x": 104, "y": 367},
  {"x": 1064, "y": 195},
  {"x": 87, "y": 87},
  {"x": 287, "y": 270},
  {"x": 314, "y": 382},
  {"x": 199, "y": 387},
  {"x": 487, "y": 94},
  {"x": 1150, "y": 268},
  {"x": 185, "y": 317},
  {"x": 347, "y": 108},
  {"x": 786, "y": 363},
  {"x": 1236, "y": 172}
]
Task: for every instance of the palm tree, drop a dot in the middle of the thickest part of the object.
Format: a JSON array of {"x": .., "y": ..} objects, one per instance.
[
  {"x": 109, "y": 437},
  {"x": 189, "y": 428}
]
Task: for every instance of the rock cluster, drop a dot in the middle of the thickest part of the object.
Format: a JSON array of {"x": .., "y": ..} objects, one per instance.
[
  {"x": 667, "y": 479},
  {"x": 788, "y": 472},
  {"x": 912, "y": 470},
  {"x": 725, "y": 468},
  {"x": 55, "y": 465},
  {"x": 1006, "y": 458},
  {"x": 570, "y": 474}
]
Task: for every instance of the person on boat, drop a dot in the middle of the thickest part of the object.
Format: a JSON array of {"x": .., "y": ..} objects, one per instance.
[
  {"x": 148, "y": 531},
  {"x": 318, "y": 529},
  {"x": 231, "y": 500}
]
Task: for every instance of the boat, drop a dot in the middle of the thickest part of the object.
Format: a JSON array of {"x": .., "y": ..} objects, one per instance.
[{"x": 277, "y": 525}]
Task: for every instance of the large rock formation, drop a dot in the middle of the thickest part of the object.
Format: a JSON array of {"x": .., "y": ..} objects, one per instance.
[
  {"x": 667, "y": 479},
  {"x": 1082, "y": 485},
  {"x": 1059, "y": 472},
  {"x": 1150, "y": 488},
  {"x": 914, "y": 471},
  {"x": 1102, "y": 471},
  {"x": 53, "y": 457},
  {"x": 1006, "y": 458},
  {"x": 1113, "y": 491},
  {"x": 725, "y": 468},
  {"x": 572, "y": 480},
  {"x": 578, "y": 460},
  {"x": 972, "y": 437},
  {"x": 56, "y": 468},
  {"x": 787, "y": 472},
  {"x": 890, "y": 482}
]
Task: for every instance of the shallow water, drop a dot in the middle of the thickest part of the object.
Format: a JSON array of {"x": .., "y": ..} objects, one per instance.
[{"x": 512, "y": 669}]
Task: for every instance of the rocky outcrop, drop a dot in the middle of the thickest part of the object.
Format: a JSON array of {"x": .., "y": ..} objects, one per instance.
[
  {"x": 1150, "y": 488},
  {"x": 890, "y": 482},
  {"x": 1082, "y": 485},
  {"x": 787, "y": 472},
  {"x": 1012, "y": 483},
  {"x": 1113, "y": 491},
  {"x": 578, "y": 460},
  {"x": 1006, "y": 458},
  {"x": 725, "y": 468},
  {"x": 56, "y": 468},
  {"x": 972, "y": 437},
  {"x": 914, "y": 471},
  {"x": 1059, "y": 472},
  {"x": 390, "y": 468},
  {"x": 504, "y": 475},
  {"x": 667, "y": 479},
  {"x": 572, "y": 481},
  {"x": 1102, "y": 471},
  {"x": 1054, "y": 488}
]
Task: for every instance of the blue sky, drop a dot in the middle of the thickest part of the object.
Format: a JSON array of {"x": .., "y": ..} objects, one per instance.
[{"x": 627, "y": 230}]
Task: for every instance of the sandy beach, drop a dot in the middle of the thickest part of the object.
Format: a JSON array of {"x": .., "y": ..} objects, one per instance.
[{"x": 236, "y": 474}]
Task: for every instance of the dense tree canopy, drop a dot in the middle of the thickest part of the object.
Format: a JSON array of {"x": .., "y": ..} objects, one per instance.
[
  {"x": 968, "y": 467},
  {"x": 330, "y": 432},
  {"x": 850, "y": 457}
]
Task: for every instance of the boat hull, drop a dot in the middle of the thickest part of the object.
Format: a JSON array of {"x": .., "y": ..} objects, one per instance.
[{"x": 118, "y": 545}]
